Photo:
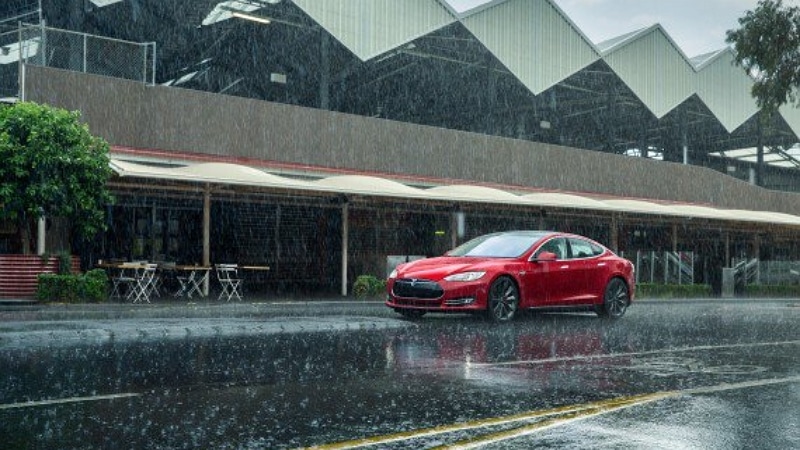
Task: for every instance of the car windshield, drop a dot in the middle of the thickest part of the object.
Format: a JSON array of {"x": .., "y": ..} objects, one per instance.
[{"x": 499, "y": 245}]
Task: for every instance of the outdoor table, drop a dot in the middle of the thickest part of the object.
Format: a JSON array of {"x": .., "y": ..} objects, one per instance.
[
  {"x": 254, "y": 268},
  {"x": 193, "y": 281}
]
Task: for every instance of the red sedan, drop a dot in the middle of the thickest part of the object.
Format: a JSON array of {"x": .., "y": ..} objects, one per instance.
[{"x": 501, "y": 273}]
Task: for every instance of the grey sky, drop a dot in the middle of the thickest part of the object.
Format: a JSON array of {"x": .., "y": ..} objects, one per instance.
[{"x": 697, "y": 26}]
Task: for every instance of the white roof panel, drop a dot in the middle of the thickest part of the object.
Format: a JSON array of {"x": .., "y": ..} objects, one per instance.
[
  {"x": 534, "y": 39},
  {"x": 369, "y": 28},
  {"x": 655, "y": 69}
]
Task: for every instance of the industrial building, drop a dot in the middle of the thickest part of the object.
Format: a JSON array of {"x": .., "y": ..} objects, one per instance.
[{"x": 329, "y": 139}]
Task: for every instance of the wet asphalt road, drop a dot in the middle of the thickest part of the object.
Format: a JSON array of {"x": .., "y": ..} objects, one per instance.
[{"x": 670, "y": 374}]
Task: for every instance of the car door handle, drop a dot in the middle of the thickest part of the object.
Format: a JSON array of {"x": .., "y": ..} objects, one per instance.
[
  {"x": 564, "y": 267},
  {"x": 601, "y": 264}
]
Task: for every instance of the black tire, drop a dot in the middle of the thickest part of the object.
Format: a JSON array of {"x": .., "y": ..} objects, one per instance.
[
  {"x": 503, "y": 300},
  {"x": 411, "y": 314},
  {"x": 615, "y": 300}
]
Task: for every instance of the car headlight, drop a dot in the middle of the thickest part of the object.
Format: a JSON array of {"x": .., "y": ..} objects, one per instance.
[
  {"x": 465, "y": 276},
  {"x": 393, "y": 274}
]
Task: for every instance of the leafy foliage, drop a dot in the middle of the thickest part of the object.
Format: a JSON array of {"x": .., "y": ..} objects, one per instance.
[
  {"x": 90, "y": 287},
  {"x": 52, "y": 166},
  {"x": 368, "y": 286},
  {"x": 768, "y": 48}
]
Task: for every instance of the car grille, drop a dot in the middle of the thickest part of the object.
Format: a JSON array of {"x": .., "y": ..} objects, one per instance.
[{"x": 414, "y": 288}]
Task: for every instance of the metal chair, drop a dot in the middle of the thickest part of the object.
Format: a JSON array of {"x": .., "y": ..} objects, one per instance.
[
  {"x": 228, "y": 277},
  {"x": 145, "y": 281}
]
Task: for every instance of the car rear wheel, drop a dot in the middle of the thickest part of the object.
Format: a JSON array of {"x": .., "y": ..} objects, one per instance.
[
  {"x": 615, "y": 300},
  {"x": 503, "y": 300}
]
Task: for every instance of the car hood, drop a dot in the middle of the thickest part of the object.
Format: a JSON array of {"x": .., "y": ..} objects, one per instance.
[{"x": 440, "y": 267}]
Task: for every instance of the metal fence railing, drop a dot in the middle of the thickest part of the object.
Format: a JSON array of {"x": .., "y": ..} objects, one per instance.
[
  {"x": 755, "y": 271},
  {"x": 69, "y": 50},
  {"x": 663, "y": 267}
]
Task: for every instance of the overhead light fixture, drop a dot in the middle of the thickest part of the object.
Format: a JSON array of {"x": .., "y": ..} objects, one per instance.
[{"x": 259, "y": 19}]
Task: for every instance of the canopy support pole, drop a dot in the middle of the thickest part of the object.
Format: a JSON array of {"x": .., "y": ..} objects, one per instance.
[
  {"x": 345, "y": 232},
  {"x": 206, "y": 233},
  {"x": 614, "y": 233}
]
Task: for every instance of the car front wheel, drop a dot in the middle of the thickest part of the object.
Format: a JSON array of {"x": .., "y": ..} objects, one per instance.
[
  {"x": 615, "y": 300},
  {"x": 503, "y": 300}
]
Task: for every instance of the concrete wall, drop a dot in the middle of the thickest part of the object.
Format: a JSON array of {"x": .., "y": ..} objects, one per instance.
[{"x": 155, "y": 117}]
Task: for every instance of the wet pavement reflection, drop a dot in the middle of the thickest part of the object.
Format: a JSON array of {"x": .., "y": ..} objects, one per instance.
[{"x": 392, "y": 386}]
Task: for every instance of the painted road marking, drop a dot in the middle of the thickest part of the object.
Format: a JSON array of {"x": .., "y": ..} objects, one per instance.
[
  {"x": 482, "y": 423},
  {"x": 62, "y": 401},
  {"x": 631, "y": 354},
  {"x": 494, "y": 438},
  {"x": 553, "y": 418}
]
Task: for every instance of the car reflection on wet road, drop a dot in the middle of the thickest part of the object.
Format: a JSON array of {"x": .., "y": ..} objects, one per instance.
[{"x": 669, "y": 375}]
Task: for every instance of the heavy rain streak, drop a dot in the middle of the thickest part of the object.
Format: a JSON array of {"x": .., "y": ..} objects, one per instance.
[{"x": 281, "y": 224}]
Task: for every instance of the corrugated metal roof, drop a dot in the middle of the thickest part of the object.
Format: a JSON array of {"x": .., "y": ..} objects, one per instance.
[
  {"x": 725, "y": 89},
  {"x": 534, "y": 39},
  {"x": 540, "y": 45},
  {"x": 369, "y": 28},
  {"x": 654, "y": 68},
  {"x": 791, "y": 113}
]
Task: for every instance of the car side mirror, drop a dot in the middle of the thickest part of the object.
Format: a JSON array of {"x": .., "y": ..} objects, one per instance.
[{"x": 546, "y": 256}]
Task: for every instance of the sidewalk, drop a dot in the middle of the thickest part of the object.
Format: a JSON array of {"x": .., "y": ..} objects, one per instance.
[{"x": 58, "y": 325}]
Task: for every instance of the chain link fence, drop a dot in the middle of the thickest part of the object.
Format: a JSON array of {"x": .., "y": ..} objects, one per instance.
[{"x": 69, "y": 50}]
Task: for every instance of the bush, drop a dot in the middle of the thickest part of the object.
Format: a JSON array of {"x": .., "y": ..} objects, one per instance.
[
  {"x": 772, "y": 290},
  {"x": 651, "y": 290},
  {"x": 368, "y": 286},
  {"x": 89, "y": 287}
]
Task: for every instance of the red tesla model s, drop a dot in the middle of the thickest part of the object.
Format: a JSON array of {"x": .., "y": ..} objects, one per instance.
[{"x": 501, "y": 273}]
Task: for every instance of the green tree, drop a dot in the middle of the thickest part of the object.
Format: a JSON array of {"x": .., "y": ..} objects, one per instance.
[
  {"x": 51, "y": 166},
  {"x": 767, "y": 45}
]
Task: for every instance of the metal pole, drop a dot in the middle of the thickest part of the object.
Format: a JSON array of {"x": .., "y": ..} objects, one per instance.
[
  {"x": 154, "y": 65},
  {"x": 22, "y": 61},
  {"x": 206, "y": 233},
  {"x": 615, "y": 234},
  {"x": 345, "y": 232}
]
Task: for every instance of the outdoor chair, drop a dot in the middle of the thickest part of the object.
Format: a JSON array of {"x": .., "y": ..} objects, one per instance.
[
  {"x": 145, "y": 283},
  {"x": 122, "y": 284},
  {"x": 229, "y": 281}
]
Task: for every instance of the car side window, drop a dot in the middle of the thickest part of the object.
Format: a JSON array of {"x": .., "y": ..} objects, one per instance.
[
  {"x": 556, "y": 245},
  {"x": 583, "y": 249}
]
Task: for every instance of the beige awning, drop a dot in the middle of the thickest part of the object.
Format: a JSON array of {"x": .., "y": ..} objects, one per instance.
[
  {"x": 367, "y": 185},
  {"x": 211, "y": 172},
  {"x": 472, "y": 193},
  {"x": 561, "y": 200},
  {"x": 235, "y": 174}
]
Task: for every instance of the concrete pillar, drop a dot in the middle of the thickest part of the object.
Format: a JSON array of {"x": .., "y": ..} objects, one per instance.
[{"x": 41, "y": 235}]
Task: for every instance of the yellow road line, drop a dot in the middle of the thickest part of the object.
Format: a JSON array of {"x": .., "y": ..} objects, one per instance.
[
  {"x": 554, "y": 417},
  {"x": 607, "y": 407},
  {"x": 483, "y": 423}
]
